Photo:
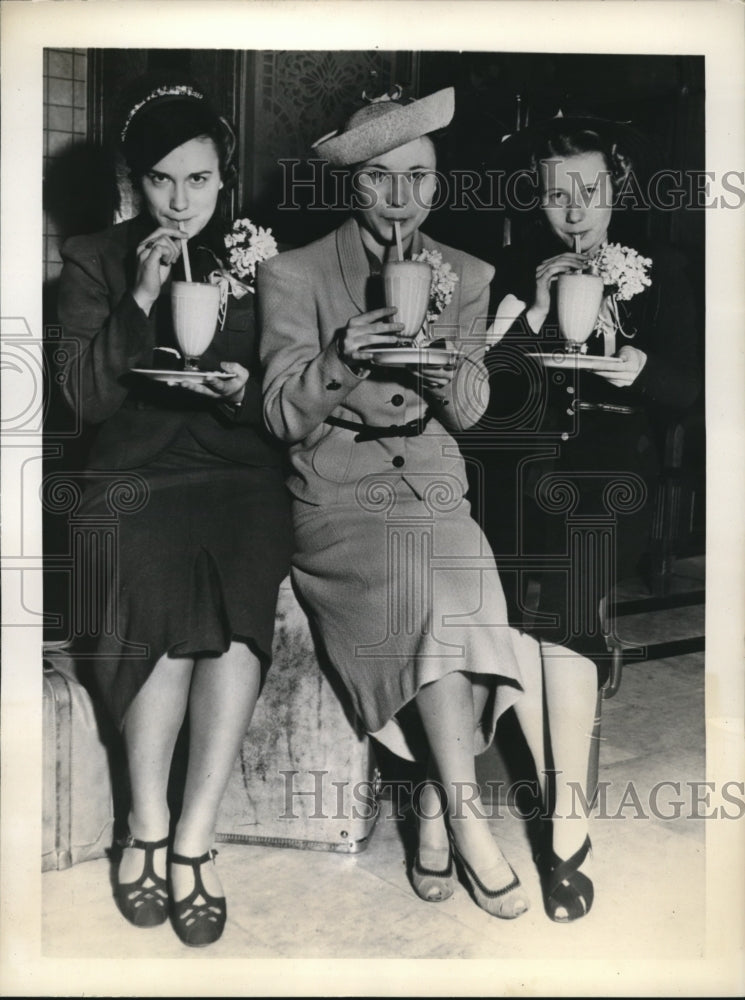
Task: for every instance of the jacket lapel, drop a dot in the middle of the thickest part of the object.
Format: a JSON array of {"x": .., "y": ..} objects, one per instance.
[{"x": 355, "y": 270}]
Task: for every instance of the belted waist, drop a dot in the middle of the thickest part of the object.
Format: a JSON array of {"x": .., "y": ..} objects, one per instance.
[
  {"x": 369, "y": 432},
  {"x": 582, "y": 404}
]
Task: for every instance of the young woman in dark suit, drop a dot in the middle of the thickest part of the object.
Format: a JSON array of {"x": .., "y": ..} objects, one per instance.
[
  {"x": 582, "y": 449},
  {"x": 201, "y": 556}
]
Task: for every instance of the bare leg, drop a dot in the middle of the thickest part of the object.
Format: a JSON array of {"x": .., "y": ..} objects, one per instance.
[
  {"x": 447, "y": 711},
  {"x": 434, "y": 844},
  {"x": 571, "y": 693},
  {"x": 151, "y": 727},
  {"x": 223, "y": 696},
  {"x": 529, "y": 706}
]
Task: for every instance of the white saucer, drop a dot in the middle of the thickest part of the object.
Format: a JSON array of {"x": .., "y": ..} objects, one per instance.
[
  {"x": 166, "y": 375},
  {"x": 590, "y": 362},
  {"x": 403, "y": 357}
]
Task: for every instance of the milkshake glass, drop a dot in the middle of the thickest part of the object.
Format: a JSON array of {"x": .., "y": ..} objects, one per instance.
[
  {"x": 406, "y": 285},
  {"x": 195, "y": 306}
]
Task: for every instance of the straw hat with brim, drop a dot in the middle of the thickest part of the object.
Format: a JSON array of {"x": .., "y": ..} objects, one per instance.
[
  {"x": 521, "y": 147},
  {"x": 385, "y": 124}
]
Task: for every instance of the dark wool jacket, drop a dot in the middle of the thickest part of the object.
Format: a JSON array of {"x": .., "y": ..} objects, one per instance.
[
  {"x": 139, "y": 418},
  {"x": 661, "y": 321}
]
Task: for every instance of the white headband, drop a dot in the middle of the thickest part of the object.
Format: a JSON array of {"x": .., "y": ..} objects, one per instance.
[{"x": 181, "y": 90}]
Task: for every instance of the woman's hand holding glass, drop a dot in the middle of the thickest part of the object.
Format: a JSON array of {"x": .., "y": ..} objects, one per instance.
[
  {"x": 155, "y": 257},
  {"x": 369, "y": 330},
  {"x": 545, "y": 275},
  {"x": 365, "y": 331}
]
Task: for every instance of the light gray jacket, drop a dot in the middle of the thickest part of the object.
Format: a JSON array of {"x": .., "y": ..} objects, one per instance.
[{"x": 305, "y": 297}]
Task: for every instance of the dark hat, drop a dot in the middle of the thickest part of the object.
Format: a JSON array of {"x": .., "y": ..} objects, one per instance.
[
  {"x": 384, "y": 124},
  {"x": 164, "y": 119}
]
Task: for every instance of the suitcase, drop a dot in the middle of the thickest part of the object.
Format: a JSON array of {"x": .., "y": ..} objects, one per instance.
[
  {"x": 306, "y": 775},
  {"x": 77, "y": 801}
]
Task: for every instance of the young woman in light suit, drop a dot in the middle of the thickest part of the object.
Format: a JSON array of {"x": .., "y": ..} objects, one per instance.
[{"x": 398, "y": 576}]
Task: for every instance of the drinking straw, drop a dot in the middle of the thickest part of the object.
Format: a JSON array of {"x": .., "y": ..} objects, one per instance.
[
  {"x": 187, "y": 265},
  {"x": 577, "y": 243},
  {"x": 399, "y": 245}
]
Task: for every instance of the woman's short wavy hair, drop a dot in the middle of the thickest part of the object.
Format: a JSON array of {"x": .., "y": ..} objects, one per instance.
[{"x": 574, "y": 140}]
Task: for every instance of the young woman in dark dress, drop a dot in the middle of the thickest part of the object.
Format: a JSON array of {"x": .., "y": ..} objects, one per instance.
[
  {"x": 206, "y": 545},
  {"x": 581, "y": 458}
]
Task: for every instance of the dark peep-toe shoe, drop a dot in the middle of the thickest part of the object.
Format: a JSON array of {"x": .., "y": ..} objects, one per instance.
[
  {"x": 506, "y": 903},
  {"x": 430, "y": 885},
  {"x": 144, "y": 902},
  {"x": 567, "y": 892},
  {"x": 199, "y": 918}
]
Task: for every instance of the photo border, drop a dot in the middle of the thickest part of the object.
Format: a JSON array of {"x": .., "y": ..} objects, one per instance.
[{"x": 713, "y": 28}]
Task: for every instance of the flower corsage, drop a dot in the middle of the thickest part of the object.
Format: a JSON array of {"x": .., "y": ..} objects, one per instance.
[
  {"x": 247, "y": 245},
  {"x": 625, "y": 273},
  {"x": 441, "y": 286}
]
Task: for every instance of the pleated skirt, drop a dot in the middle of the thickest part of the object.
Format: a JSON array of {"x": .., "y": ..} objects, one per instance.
[
  {"x": 403, "y": 597},
  {"x": 196, "y": 567}
]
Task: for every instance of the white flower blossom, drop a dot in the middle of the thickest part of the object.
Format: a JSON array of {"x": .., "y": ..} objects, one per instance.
[
  {"x": 248, "y": 245},
  {"x": 624, "y": 273},
  {"x": 622, "y": 268},
  {"x": 442, "y": 284}
]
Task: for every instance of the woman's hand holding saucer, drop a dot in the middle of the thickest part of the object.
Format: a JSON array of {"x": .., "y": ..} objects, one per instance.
[
  {"x": 228, "y": 390},
  {"x": 155, "y": 257},
  {"x": 438, "y": 376},
  {"x": 634, "y": 360},
  {"x": 435, "y": 376}
]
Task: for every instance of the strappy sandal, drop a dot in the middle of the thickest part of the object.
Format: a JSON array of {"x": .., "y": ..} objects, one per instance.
[
  {"x": 506, "y": 903},
  {"x": 565, "y": 887},
  {"x": 199, "y": 918},
  {"x": 433, "y": 886},
  {"x": 144, "y": 905}
]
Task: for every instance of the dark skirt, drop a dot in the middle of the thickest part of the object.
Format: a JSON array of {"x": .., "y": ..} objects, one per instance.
[
  {"x": 196, "y": 566},
  {"x": 566, "y": 528}
]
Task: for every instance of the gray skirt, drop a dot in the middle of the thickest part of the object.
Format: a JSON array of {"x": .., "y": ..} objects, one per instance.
[{"x": 403, "y": 591}]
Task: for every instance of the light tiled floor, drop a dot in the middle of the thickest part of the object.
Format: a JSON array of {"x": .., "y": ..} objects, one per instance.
[{"x": 285, "y": 903}]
